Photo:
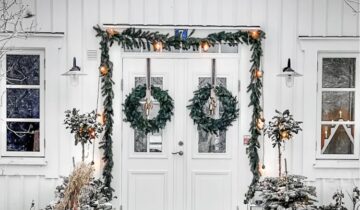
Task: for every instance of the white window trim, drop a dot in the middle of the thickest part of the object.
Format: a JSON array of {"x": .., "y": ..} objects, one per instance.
[
  {"x": 306, "y": 106},
  {"x": 41, "y": 120},
  {"x": 340, "y": 54}
]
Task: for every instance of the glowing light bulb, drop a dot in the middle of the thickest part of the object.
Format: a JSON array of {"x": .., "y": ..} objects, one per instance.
[
  {"x": 158, "y": 46},
  {"x": 205, "y": 45}
]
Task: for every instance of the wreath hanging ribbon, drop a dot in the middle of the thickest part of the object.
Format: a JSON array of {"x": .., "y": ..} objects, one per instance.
[
  {"x": 208, "y": 123},
  {"x": 135, "y": 116}
]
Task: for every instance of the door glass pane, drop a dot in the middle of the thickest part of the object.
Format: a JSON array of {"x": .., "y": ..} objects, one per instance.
[
  {"x": 338, "y": 72},
  {"x": 23, "y": 136},
  {"x": 22, "y": 69},
  {"x": 155, "y": 140},
  {"x": 210, "y": 143},
  {"x": 22, "y": 103},
  {"x": 156, "y": 81},
  {"x": 207, "y": 80},
  {"x": 140, "y": 143},
  {"x": 338, "y": 106},
  {"x": 337, "y": 139}
]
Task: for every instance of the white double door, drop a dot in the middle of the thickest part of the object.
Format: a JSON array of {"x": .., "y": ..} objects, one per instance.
[{"x": 180, "y": 168}]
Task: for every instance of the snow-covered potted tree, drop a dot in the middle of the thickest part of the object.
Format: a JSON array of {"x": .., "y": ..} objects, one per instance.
[
  {"x": 282, "y": 128},
  {"x": 85, "y": 127}
]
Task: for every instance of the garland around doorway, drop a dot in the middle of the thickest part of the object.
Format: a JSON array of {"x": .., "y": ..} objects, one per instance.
[{"x": 136, "y": 38}]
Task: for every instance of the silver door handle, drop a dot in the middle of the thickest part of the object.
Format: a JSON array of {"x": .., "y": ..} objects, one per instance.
[{"x": 181, "y": 153}]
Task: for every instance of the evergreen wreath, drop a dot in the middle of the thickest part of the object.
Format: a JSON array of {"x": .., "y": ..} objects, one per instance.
[
  {"x": 136, "y": 118},
  {"x": 207, "y": 123}
]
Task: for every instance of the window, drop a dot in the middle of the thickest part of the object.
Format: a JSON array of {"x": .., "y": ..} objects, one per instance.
[
  {"x": 153, "y": 142},
  {"x": 338, "y": 95},
  {"x": 22, "y": 104},
  {"x": 210, "y": 143}
]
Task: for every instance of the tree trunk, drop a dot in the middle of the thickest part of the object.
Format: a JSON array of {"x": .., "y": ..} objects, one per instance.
[
  {"x": 279, "y": 150},
  {"x": 82, "y": 152}
]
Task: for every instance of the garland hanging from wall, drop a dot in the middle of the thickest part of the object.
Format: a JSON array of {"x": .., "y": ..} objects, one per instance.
[{"x": 136, "y": 38}]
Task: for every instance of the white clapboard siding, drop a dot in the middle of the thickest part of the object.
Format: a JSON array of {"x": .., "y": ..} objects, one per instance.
[{"x": 282, "y": 20}]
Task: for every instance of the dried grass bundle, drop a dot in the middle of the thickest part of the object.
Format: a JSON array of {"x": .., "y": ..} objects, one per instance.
[{"x": 80, "y": 177}]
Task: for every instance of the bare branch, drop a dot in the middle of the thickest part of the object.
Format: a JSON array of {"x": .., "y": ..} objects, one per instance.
[
  {"x": 351, "y": 3},
  {"x": 15, "y": 20}
]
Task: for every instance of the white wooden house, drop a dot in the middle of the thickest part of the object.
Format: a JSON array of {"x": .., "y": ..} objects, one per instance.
[{"x": 313, "y": 33}]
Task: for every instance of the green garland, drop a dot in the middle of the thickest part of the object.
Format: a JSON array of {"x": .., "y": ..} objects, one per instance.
[
  {"x": 254, "y": 88},
  {"x": 108, "y": 94},
  {"x": 136, "y": 38},
  {"x": 136, "y": 118},
  {"x": 206, "y": 123}
]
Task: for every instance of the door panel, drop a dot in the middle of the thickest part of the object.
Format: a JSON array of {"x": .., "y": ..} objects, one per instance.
[
  {"x": 211, "y": 167},
  {"x": 148, "y": 190},
  {"x": 147, "y": 171}
]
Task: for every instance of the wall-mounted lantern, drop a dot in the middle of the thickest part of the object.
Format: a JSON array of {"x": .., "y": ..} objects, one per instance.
[
  {"x": 289, "y": 74},
  {"x": 74, "y": 73}
]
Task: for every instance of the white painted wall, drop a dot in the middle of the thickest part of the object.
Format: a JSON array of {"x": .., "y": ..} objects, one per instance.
[{"x": 282, "y": 20}]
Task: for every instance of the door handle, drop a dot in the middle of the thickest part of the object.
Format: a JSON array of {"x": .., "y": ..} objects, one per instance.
[{"x": 181, "y": 153}]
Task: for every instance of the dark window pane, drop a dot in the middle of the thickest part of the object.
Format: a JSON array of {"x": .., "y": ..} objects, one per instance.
[
  {"x": 209, "y": 143},
  {"x": 156, "y": 81},
  {"x": 23, "y": 69},
  {"x": 22, "y": 103},
  {"x": 337, "y": 139},
  {"x": 337, "y": 105},
  {"x": 140, "y": 143},
  {"x": 338, "y": 73},
  {"x": 155, "y": 140},
  {"x": 207, "y": 80},
  {"x": 23, "y": 136}
]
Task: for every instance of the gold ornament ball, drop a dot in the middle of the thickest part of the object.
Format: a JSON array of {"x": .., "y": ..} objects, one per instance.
[
  {"x": 258, "y": 73},
  {"x": 104, "y": 70},
  {"x": 204, "y": 45},
  {"x": 284, "y": 135},
  {"x": 157, "y": 45}
]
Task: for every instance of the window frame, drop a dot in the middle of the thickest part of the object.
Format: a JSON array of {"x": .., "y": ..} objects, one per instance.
[
  {"x": 3, "y": 106},
  {"x": 320, "y": 90}
]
